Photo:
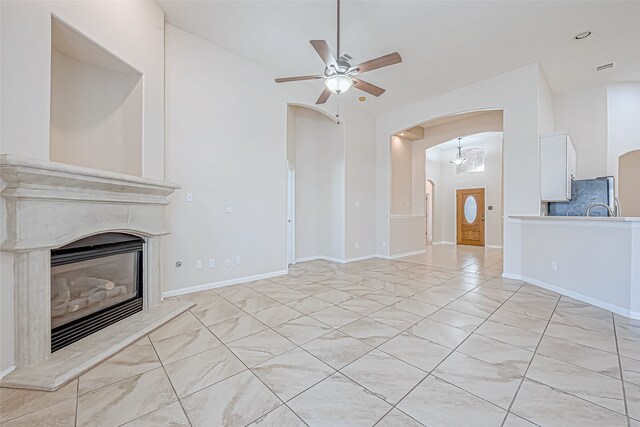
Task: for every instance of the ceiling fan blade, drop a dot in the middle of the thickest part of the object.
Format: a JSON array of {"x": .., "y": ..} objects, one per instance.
[
  {"x": 325, "y": 53},
  {"x": 298, "y": 78},
  {"x": 367, "y": 87},
  {"x": 382, "y": 61},
  {"x": 324, "y": 96}
]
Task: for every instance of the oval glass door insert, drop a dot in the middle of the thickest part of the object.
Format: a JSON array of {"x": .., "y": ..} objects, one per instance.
[{"x": 470, "y": 209}]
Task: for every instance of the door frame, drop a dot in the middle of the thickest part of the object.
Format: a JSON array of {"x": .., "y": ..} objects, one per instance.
[
  {"x": 455, "y": 212},
  {"x": 291, "y": 214}
]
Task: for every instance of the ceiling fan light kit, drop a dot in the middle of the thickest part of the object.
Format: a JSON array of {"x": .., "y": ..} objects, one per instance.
[{"x": 339, "y": 74}]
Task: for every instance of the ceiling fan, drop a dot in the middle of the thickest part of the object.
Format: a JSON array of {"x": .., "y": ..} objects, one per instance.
[{"x": 339, "y": 74}]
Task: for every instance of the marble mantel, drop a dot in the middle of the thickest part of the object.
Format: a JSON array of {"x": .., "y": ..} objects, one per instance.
[{"x": 49, "y": 205}]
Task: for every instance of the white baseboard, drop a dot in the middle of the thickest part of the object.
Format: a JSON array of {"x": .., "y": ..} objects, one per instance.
[
  {"x": 223, "y": 283},
  {"x": 418, "y": 252},
  {"x": 493, "y": 246},
  {"x": 575, "y": 295},
  {"x": 443, "y": 242},
  {"x": 7, "y": 371}
]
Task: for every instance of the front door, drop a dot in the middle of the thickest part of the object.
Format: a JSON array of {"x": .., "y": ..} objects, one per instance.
[{"x": 470, "y": 216}]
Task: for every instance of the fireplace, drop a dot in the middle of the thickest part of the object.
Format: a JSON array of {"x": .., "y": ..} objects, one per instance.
[{"x": 95, "y": 282}]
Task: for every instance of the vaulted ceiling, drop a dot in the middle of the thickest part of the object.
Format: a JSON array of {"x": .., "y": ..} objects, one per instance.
[{"x": 444, "y": 44}]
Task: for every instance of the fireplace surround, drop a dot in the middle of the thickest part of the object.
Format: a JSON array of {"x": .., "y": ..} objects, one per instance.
[{"x": 48, "y": 206}]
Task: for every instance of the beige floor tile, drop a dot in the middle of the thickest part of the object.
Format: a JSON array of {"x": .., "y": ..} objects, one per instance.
[
  {"x": 433, "y": 298},
  {"x": 416, "y": 307},
  {"x": 630, "y": 369},
  {"x": 520, "y": 321},
  {"x": 312, "y": 289},
  {"x": 396, "y": 418},
  {"x": 234, "y": 329},
  {"x": 334, "y": 296},
  {"x": 395, "y": 317},
  {"x": 266, "y": 287},
  {"x": 279, "y": 417},
  {"x": 504, "y": 356},
  {"x": 339, "y": 402},
  {"x": 133, "y": 360},
  {"x": 470, "y": 308},
  {"x": 510, "y": 335},
  {"x": 293, "y": 281},
  {"x": 218, "y": 311},
  {"x": 485, "y": 380},
  {"x": 456, "y": 319},
  {"x": 439, "y": 333},
  {"x": 202, "y": 370},
  {"x": 201, "y": 298},
  {"x": 592, "y": 386},
  {"x": 383, "y": 298},
  {"x": 181, "y": 324},
  {"x": 256, "y": 303},
  {"x": 582, "y": 336},
  {"x": 126, "y": 400},
  {"x": 171, "y": 415},
  {"x": 477, "y": 297},
  {"x": 604, "y": 326},
  {"x": 62, "y": 414},
  {"x": 288, "y": 296},
  {"x": 586, "y": 357},
  {"x": 235, "y": 293},
  {"x": 292, "y": 372},
  {"x": 627, "y": 330},
  {"x": 572, "y": 306},
  {"x": 260, "y": 347},
  {"x": 336, "y": 316},
  {"x": 437, "y": 403},
  {"x": 416, "y": 351},
  {"x": 337, "y": 349},
  {"x": 546, "y": 406},
  {"x": 18, "y": 402},
  {"x": 370, "y": 331},
  {"x": 236, "y": 401},
  {"x": 302, "y": 330},
  {"x": 277, "y": 315},
  {"x": 183, "y": 345},
  {"x": 309, "y": 305},
  {"x": 515, "y": 421},
  {"x": 632, "y": 393},
  {"x": 362, "y": 306},
  {"x": 384, "y": 375},
  {"x": 629, "y": 348}
]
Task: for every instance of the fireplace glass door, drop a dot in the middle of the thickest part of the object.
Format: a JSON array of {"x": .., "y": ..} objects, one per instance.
[{"x": 94, "y": 283}]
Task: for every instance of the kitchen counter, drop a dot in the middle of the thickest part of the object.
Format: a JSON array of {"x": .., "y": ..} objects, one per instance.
[{"x": 592, "y": 259}]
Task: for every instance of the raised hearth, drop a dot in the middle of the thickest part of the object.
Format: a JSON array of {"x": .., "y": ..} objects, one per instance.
[{"x": 50, "y": 205}]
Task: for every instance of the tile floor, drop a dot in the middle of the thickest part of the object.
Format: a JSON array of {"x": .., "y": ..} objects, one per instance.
[{"x": 431, "y": 340}]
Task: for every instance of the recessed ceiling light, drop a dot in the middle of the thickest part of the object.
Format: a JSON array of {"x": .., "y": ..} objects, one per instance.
[{"x": 582, "y": 35}]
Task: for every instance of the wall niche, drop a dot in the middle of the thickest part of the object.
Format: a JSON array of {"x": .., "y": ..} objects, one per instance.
[{"x": 96, "y": 105}]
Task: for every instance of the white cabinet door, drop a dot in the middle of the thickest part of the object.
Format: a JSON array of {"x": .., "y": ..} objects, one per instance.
[{"x": 557, "y": 167}]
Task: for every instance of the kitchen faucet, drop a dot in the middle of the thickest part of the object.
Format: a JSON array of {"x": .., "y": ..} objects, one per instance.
[{"x": 609, "y": 211}]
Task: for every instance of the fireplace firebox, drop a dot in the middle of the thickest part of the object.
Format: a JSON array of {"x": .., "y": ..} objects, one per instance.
[{"x": 95, "y": 282}]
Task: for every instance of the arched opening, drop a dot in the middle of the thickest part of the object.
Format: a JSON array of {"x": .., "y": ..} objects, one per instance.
[
  {"x": 628, "y": 179},
  {"x": 420, "y": 161}
]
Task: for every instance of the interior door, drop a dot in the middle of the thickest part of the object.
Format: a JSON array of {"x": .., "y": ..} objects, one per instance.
[{"x": 470, "y": 217}]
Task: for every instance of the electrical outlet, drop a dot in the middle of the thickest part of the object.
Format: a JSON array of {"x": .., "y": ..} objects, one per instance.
[
  {"x": 357, "y": 204},
  {"x": 227, "y": 262},
  {"x": 554, "y": 265},
  {"x": 189, "y": 197},
  {"x": 238, "y": 259},
  {"x": 212, "y": 263},
  {"x": 199, "y": 264},
  {"x": 384, "y": 243},
  {"x": 357, "y": 245}
]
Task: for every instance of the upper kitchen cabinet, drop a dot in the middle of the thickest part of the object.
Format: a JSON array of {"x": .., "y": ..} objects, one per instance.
[{"x": 557, "y": 166}]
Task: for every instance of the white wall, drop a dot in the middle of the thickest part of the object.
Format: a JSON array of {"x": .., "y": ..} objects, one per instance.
[
  {"x": 517, "y": 93},
  {"x": 132, "y": 30},
  {"x": 447, "y": 181},
  {"x": 623, "y": 117},
  {"x": 584, "y": 114},
  {"x": 401, "y": 176},
  {"x": 96, "y": 116},
  {"x": 320, "y": 185}
]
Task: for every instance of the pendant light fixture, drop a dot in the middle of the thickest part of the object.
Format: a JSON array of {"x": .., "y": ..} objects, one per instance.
[{"x": 459, "y": 160}]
